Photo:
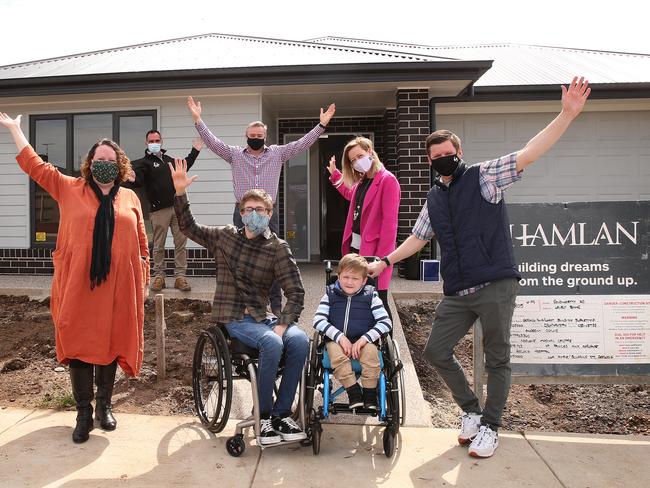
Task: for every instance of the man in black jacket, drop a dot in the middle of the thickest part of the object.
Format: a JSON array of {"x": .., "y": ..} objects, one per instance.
[{"x": 153, "y": 173}]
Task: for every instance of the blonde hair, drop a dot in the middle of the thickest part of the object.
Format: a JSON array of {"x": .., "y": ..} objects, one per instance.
[
  {"x": 256, "y": 194},
  {"x": 350, "y": 175},
  {"x": 354, "y": 263},
  {"x": 123, "y": 162}
]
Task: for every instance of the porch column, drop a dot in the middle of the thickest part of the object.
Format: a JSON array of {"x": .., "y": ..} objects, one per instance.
[{"x": 412, "y": 117}]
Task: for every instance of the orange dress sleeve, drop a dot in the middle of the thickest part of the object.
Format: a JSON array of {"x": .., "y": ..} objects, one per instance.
[{"x": 45, "y": 174}]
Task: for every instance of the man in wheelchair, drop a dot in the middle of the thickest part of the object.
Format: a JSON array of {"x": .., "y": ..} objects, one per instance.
[
  {"x": 249, "y": 260},
  {"x": 352, "y": 316}
]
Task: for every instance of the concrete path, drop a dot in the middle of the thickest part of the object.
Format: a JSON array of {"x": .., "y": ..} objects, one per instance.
[
  {"x": 146, "y": 451},
  {"x": 313, "y": 276}
]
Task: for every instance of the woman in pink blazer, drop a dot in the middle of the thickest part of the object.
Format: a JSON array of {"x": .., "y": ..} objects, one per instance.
[{"x": 374, "y": 196}]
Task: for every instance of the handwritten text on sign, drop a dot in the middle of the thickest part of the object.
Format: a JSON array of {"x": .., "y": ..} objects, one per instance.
[{"x": 585, "y": 329}]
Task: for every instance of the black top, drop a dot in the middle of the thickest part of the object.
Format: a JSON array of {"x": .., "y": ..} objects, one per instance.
[
  {"x": 362, "y": 189},
  {"x": 154, "y": 174}
]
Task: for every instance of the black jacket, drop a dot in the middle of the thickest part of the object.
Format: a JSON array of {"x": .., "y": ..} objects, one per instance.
[{"x": 155, "y": 176}]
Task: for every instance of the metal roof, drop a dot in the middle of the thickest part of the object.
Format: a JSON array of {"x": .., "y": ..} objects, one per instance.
[
  {"x": 209, "y": 51},
  {"x": 522, "y": 64}
]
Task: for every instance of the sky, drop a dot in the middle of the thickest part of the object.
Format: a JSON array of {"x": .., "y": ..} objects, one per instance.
[{"x": 39, "y": 29}]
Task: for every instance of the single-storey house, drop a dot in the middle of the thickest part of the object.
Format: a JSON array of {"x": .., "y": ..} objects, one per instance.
[{"x": 494, "y": 96}]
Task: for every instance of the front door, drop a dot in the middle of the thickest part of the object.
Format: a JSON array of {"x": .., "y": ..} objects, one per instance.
[{"x": 334, "y": 208}]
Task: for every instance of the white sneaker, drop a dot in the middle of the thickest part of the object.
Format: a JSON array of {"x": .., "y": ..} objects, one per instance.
[
  {"x": 469, "y": 425},
  {"x": 485, "y": 443},
  {"x": 267, "y": 434}
]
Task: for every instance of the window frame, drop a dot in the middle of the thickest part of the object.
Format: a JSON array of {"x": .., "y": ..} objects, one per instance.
[{"x": 69, "y": 163}]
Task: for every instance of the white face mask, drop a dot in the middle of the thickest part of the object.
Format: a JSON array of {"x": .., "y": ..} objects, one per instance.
[
  {"x": 363, "y": 164},
  {"x": 154, "y": 147}
]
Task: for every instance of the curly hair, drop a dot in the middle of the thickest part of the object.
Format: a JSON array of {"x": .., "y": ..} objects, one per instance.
[{"x": 123, "y": 162}]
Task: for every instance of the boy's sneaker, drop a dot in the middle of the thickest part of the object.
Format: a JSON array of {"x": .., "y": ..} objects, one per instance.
[
  {"x": 288, "y": 429},
  {"x": 469, "y": 426},
  {"x": 267, "y": 434},
  {"x": 370, "y": 398},
  {"x": 355, "y": 398},
  {"x": 485, "y": 442}
]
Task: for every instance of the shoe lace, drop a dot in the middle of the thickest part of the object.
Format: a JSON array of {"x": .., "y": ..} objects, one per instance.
[
  {"x": 485, "y": 437},
  {"x": 467, "y": 421},
  {"x": 291, "y": 423},
  {"x": 266, "y": 425}
]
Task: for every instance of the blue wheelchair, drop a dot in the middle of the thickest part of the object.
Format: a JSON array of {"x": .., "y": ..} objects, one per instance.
[{"x": 391, "y": 394}]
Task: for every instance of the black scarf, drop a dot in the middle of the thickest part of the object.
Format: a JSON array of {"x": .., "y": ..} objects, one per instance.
[{"x": 100, "y": 265}]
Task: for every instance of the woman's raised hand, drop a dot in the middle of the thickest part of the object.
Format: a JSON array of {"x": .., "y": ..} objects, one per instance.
[
  {"x": 14, "y": 128},
  {"x": 195, "y": 109},
  {"x": 179, "y": 176},
  {"x": 8, "y": 122},
  {"x": 332, "y": 166}
]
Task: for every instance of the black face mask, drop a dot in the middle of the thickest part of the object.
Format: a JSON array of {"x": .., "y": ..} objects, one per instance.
[
  {"x": 446, "y": 165},
  {"x": 255, "y": 143}
]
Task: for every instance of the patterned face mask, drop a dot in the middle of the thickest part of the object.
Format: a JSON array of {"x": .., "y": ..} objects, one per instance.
[
  {"x": 104, "y": 171},
  {"x": 256, "y": 223}
]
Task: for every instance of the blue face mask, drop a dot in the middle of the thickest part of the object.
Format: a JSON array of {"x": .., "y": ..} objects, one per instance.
[
  {"x": 154, "y": 148},
  {"x": 256, "y": 223}
]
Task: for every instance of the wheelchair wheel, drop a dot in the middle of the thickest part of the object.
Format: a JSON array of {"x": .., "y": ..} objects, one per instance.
[
  {"x": 389, "y": 441},
  {"x": 394, "y": 386},
  {"x": 316, "y": 431},
  {"x": 212, "y": 379},
  {"x": 312, "y": 371},
  {"x": 402, "y": 389},
  {"x": 236, "y": 445}
]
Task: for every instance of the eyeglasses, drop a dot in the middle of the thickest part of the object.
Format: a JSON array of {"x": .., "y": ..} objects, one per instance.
[{"x": 250, "y": 210}]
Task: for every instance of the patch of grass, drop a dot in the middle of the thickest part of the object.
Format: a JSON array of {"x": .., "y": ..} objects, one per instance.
[{"x": 61, "y": 400}]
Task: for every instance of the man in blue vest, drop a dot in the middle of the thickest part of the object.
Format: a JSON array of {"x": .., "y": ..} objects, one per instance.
[{"x": 466, "y": 212}]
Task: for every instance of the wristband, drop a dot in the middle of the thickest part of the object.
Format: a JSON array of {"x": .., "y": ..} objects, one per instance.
[
  {"x": 323, "y": 126},
  {"x": 385, "y": 260}
]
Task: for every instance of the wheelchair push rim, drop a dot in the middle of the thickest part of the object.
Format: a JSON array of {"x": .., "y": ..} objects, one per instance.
[{"x": 212, "y": 379}]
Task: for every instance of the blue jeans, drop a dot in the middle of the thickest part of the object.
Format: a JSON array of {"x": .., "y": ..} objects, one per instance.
[{"x": 260, "y": 335}]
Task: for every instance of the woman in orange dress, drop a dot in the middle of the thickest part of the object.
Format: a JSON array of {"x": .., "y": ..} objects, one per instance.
[{"x": 101, "y": 272}]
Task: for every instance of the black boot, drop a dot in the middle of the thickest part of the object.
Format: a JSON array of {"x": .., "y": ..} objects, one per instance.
[
  {"x": 355, "y": 400},
  {"x": 81, "y": 377},
  {"x": 370, "y": 398},
  {"x": 104, "y": 379}
]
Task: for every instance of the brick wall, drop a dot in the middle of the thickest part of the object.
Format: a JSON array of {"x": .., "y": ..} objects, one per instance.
[
  {"x": 412, "y": 120},
  {"x": 39, "y": 262}
]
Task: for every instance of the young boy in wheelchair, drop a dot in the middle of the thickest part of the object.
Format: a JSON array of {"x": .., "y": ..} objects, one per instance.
[{"x": 352, "y": 317}]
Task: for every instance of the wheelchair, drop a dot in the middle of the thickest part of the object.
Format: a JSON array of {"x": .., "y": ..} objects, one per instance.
[
  {"x": 218, "y": 361},
  {"x": 391, "y": 392}
]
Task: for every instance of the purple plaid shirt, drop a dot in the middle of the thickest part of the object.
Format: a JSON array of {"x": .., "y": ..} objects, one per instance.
[
  {"x": 495, "y": 176},
  {"x": 249, "y": 171}
]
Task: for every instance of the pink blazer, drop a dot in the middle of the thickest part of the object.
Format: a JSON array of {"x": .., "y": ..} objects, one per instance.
[{"x": 378, "y": 218}]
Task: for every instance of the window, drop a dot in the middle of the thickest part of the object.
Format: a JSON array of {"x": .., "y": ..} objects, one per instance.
[{"x": 64, "y": 140}]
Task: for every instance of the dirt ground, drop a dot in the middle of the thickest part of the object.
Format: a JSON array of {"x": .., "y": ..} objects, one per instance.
[
  {"x": 27, "y": 342},
  {"x": 31, "y": 377},
  {"x": 602, "y": 409}
]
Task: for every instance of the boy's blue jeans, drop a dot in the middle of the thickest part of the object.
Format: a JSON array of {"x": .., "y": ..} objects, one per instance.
[{"x": 260, "y": 335}]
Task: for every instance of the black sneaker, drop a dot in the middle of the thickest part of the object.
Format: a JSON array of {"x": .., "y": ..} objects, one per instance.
[
  {"x": 288, "y": 429},
  {"x": 370, "y": 398},
  {"x": 355, "y": 398},
  {"x": 267, "y": 434}
]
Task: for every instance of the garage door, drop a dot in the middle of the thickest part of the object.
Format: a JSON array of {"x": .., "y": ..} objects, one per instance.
[{"x": 603, "y": 156}]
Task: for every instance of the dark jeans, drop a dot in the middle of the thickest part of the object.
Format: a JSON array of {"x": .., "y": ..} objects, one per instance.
[
  {"x": 275, "y": 293},
  {"x": 494, "y": 305}
]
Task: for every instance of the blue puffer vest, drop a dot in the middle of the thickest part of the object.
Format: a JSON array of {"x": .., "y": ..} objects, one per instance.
[
  {"x": 474, "y": 235},
  {"x": 352, "y": 315}
]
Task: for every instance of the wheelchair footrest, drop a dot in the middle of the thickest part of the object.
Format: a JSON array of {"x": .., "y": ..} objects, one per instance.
[{"x": 344, "y": 408}]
